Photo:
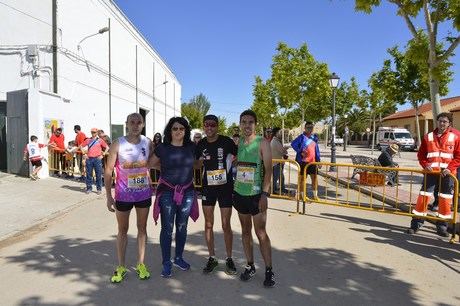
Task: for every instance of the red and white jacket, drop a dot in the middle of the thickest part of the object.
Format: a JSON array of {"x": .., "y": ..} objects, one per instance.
[{"x": 440, "y": 152}]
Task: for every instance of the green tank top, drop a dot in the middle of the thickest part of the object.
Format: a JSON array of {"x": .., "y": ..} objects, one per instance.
[{"x": 249, "y": 171}]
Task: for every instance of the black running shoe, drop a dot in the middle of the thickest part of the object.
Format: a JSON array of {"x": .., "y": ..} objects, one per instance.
[
  {"x": 249, "y": 272},
  {"x": 210, "y": 265},
  {"x": 269, "y": 278},
  {"x": 230, "y": 268}
]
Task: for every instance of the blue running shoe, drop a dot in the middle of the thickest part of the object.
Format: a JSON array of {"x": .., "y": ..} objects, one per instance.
[
  {"x": 166, "y": 272},
  {"x": 181, "y": 264}
]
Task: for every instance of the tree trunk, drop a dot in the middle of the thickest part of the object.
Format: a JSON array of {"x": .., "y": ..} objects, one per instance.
[
  {"x": 434, "y": 82},
  {"x": 373, "y": 134},
  {"x": 417, "y": 125}
]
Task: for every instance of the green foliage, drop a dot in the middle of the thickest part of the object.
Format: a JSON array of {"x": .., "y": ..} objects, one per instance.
[
  {"x": 424, "y": 47},
  {"x": 232, "y": 129},
  {"x": 264, "y": 102},
  {"x": 222, "y": 129},
  {"x": 197, "y": 107},
  {"x": 193, "y": 115}
]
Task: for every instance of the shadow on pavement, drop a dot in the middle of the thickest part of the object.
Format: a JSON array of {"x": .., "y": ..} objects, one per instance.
[
  {"x": 431, "y": 247},
  {"x": 304, "y": 276}
]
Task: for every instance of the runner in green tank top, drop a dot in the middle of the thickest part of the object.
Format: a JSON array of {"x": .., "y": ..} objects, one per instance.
[
  {"x": 253, "y": 179},
  {"x": 249, "y": 173}
]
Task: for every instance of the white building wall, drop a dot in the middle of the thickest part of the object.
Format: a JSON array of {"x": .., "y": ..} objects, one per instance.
[
  {"x": 22, "y": 23},
  {"x": 83, "y": 73}
]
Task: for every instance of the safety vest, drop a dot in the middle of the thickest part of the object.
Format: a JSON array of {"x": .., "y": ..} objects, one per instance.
[{"x": 439, "y": 155}]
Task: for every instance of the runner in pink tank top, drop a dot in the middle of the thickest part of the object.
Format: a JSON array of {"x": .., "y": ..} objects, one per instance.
[{"x": 128, "y": 156}]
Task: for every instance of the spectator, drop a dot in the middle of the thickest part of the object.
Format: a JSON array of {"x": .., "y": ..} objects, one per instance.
[
  {"x": 439, "y": 151},
  {"x": 278, "y": 152},
  {"x": 95, "y": 151},
  {"x": 307, "y": 151},
  {"x": 56, "y": 142},
  {"x": 197, "y": 137},
  {"x": 386, "y": 160},
  {"x": 268, "y": 134},
  {"x": 79, "y": 139},
  {"x": 105, "y": 137},
  {"x": 70, "y": 157},
  {"x": 32, "y": 152},
  {"x": 236, "y": 138},
  {"x": 155, "y": 173}
]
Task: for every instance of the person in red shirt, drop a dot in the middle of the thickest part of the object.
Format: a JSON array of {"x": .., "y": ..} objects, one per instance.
[
  {"x": 95, "y": 149},
  {"x": 80, "y": 137},
  {"x": 439, "y": 152},
  {"x": 56, "y": 142}
]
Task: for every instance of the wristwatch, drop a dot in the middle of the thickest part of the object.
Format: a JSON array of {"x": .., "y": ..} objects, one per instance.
[{"x": 267, "y": 194}]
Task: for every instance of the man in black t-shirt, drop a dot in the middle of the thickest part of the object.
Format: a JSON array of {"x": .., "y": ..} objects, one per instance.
[{"x": 216, "y": 153}]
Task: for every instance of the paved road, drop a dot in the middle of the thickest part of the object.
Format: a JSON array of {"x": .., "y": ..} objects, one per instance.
[{"x": 330, "y": 256}]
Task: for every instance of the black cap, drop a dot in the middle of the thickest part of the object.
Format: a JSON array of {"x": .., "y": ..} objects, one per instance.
[{"x": 211, "y": 117}]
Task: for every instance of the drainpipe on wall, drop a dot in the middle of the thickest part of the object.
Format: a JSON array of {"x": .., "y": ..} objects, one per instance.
[{"x": 54, "y": 47}]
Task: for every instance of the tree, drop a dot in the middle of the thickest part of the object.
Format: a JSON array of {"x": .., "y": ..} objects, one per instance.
[
  {"x": 264, "y": 103},
  {"x": 222, "y": 129},
  {"x": 193, "y": 115},
  {"x": 232, "y": 129},
  {"x": 436, "y": 13},
  {"x": 412, "y": 79},
  {"x": 197, "y": 107},
  {"x": 201, "y": 103}
]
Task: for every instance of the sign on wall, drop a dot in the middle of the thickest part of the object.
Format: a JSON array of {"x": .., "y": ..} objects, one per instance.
[{"x": 50, "y": 125}]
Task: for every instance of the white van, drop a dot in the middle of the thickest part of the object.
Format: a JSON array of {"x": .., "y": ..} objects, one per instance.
[{"x": 399, "y": 136}]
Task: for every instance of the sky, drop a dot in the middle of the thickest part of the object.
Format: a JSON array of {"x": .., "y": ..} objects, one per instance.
[{"x": 218, "y": 47}]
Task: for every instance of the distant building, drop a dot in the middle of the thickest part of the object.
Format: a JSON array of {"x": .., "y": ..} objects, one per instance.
[
  {"x": 406, "y": 118},
  {"x": 55, "y": 63}
]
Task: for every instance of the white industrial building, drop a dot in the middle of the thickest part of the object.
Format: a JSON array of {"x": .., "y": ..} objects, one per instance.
[{"x": 67, "y": 62}]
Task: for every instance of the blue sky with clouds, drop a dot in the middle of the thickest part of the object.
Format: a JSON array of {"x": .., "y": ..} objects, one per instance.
[{"x": 218, "y": 47}]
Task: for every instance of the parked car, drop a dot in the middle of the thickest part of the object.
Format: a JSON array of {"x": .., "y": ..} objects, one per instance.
[{"x": 338, "y": 141}]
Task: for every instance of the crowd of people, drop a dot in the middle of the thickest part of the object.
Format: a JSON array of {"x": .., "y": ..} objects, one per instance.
[{"x": 237, "y": 172}]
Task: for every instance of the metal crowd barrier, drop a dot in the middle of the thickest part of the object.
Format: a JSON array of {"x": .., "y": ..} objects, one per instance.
[
  {"x": 371, "y": 186},
  {"x": 197, "y": 177},
  {"x": 69, "y": 164},
  {"x": 289, "y": 180}
]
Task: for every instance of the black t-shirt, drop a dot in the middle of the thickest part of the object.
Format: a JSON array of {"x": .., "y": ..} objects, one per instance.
[
  {"x": 176, "y": 162},
  {"x": 216, "y": 157}
]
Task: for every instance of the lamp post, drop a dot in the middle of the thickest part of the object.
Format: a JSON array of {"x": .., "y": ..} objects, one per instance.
[
  {"x": 154, "y": 99},
  {"x": 102, "y": 31},
  {"x": 345, "y": 134},
  {"x": 333, "y": 82}
]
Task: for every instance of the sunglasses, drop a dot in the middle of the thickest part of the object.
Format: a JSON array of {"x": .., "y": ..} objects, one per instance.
[
  {"x": 210, "y": 124},
  {"x": 176, "y": 128}
]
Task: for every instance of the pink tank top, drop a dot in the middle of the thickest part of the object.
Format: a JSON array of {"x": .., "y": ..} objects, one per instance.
[{"x": 133, "y": 177}]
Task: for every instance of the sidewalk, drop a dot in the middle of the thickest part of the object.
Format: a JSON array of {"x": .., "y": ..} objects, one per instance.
[{"x": 25, "y": 203}]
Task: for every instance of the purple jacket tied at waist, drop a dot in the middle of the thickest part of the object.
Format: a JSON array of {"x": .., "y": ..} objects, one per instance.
[{"x": 179, "y": 191}]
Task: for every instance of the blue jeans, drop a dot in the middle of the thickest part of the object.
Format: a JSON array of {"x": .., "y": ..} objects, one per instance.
[
  {"x": 96, "y": 164},
  {"x": 170, "y": 212},
  {"x": 277, "y": 170}
]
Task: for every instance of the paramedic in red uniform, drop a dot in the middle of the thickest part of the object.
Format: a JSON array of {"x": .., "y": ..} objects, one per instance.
[{"x": 439, "y": 151}]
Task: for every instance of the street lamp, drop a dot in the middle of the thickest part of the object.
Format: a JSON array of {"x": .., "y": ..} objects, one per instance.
[
  {"x": 102, "y": 31},
  {"x": 345, "y": 134},
  {"x": 154, "y": 100},
  {"x": 333, "y": 82}
]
